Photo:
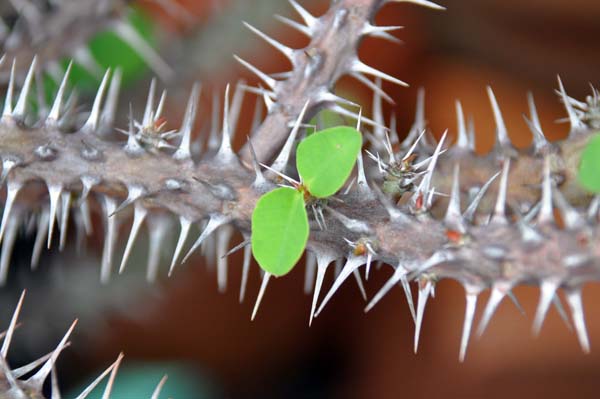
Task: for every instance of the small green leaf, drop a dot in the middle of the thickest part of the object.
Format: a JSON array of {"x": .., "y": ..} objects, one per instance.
[
  {"x": 279, "y": 230},
  {"x": 326, "y": 158},
  {"x": 589, "y": 166}
]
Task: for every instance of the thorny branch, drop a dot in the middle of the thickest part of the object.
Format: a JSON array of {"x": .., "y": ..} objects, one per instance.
[{"x": 506, "y": 237}]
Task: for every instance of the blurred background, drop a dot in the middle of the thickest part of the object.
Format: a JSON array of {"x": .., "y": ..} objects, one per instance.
[{"x": 206, "y": 341}]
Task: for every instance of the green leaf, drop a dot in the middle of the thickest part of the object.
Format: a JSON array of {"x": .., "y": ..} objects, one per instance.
[
  {"x": 326, "y": 158},
  {"x": 589, "y": 166},
  {"x": 279, "y": 230}
]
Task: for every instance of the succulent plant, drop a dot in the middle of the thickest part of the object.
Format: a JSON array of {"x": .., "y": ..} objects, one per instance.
[{"x": 512, "y": 216}]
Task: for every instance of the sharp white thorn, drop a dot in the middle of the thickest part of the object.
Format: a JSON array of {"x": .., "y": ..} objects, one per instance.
[
  {"x": 294, "y": 25},
  {"x": 399, "y": 273},
  {"x": 576, "y": 123},
  {"x": 54, "y": 192},
  {"x": 498, "y": 293},
  {"x": 499, "y": 216},
  {"x": 64, "y": 218},
  {"x": 241, "y": 245},
  {"x": 592, "y": 210},
  {"x": 161, "y": 106},
  {"x": 462, "y": 140},
  {"x": 269, "y": 81},
  {"x": 111, "y": 378},
  {"x": 413, "y": 146},
  {"x": 288, "y": 52},
  {"x": 539, "y": 140},
  {"x": 324, "y": 259},
  {"x": 257, "y": 117},
  {"x": 344, "y": 112},
  {"x": 84, "y": 394},
  {"x": 436, "y": 259},
  {"x": 37, "y": 380},
  {"x": 373, "y": 86},
  {"x": 12, "y": 190},
  {"x": 561, "y": 311},
  {"x": 570, "y": 216},
  {"x": 359, "y": 283},
  {"x": 261, "y": 293},
  {"x": 8, "y": 102},
  {"x": 453, "y": 218},
  {"x": 158, "y": 228},
  {"x": 362, "y": 184},
  {"x": 309, "y": 272},
  {"x": 236, "y": 107},
  {"x": 225, "y": 152},
  {"x": 394, "y": 213},
  {"x": 86, "y": 217},
  {"x": 368, "y": 265},
  {"x": 21, "y": 108},
  {"x": 394, "y": 129},
  {"x": 55, "y": 111},
  {"x": 547, "y": 292},
  {"x": 327, "y": 96},
  {"x": 55, "y": 388},
  {"x": 185, "y": 224},
  {"x": 148, "y": 110},
  {"x": 283, "y": 157},
  {"x": 424, "y": 3},
  {"x": 388, "y": 148},
  {"x": 159, "y": 387},
  {"x": 307, "y": 17},
  {"x": 259, "y": 181},
  {"x": 501, "y": 132},
  {"x": 12, "y": 228},
  {"x": 139, "y": 215},
  {"x": 28, "y": 368},
  {"x": 409, "y": 298},
  {"x": 424, "y": 292},
  {"x": 184, "y": 151},
  {"x": 223, "y": 237},
  {"x": 214, "y": 222},
  {"x": 40, "y": 238},
  {"x": 472, "y": 208},
  {"x": 419, "y": 122},
  {"x": 15, "y": 387},
  {"x": 546, "y": 213},
  {"x": 269, "y": 103},
  {"x": 513, "y": 298},
  {"x": 425, "y": 184},
  {"x": 381, "y": 32},
  {"x": 109, "y": 112},
  {"x": 574, "y": 300},
  {"x": 11, "y": 327},
  {"x": 378, "y": 112},
  {"x": 134, "y": 193},
  {"x": 110, "y": 238},
  {"x": 92, "y": 123},
  {"x": 284, "y": 177},
  {"x": 471, "y": 134},
  {"x": 361, "y": 67},
  {"x": 470, "y": 306},
  {"x": 352, "y": 263},
  {"x": 213, "y": 138},
  {"x": 245, "y": 271}
]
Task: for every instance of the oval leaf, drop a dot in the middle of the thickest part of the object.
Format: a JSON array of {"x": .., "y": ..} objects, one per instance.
[
  {"x": 326, "y": 158},
  {"x": 589, "y": 167},
  {"x": 279, "y": 230}
]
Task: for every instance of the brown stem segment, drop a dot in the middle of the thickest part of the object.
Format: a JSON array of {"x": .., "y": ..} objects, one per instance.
[{"x": 317, "y": 68}]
